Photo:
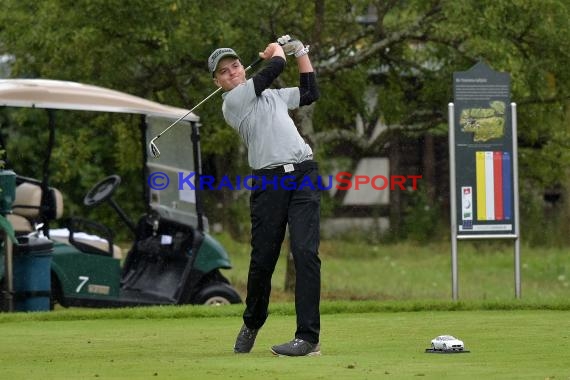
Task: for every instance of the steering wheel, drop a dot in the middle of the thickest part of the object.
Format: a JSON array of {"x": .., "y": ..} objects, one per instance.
[{"x": 102, "y": 191}]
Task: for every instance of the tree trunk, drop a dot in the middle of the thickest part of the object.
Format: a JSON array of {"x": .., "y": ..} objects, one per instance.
[
  {"x": 429, "y": 169},
  {"x": 290, "y": 274},
  {"x": 395, "y": 199}
]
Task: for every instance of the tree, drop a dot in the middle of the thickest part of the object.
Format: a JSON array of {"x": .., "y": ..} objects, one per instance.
[{"x": 387, "y": 62}]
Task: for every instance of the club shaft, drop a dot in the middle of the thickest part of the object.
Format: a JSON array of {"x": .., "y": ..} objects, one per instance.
[
  {"x": 188, "y": 113},
  {"x": 204, "y": 100}
]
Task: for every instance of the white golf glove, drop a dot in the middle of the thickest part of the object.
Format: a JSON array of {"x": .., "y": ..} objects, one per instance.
[{"x": 292, "y": 47}]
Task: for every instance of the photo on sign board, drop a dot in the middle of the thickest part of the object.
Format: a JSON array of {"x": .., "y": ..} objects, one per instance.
[{"x": 485, "y": 123}]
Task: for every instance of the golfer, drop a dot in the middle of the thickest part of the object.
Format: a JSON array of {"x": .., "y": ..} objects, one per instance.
[{"x": 276, "y": 149}]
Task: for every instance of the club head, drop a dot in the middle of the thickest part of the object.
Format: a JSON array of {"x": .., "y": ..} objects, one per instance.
[{"x": 154, "y": 152}]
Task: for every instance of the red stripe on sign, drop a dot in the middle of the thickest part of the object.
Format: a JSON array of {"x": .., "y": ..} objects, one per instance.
[{"x": 498, "y": 182}]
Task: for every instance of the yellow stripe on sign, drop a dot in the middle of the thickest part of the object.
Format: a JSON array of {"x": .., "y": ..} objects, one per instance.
[{"x": 480, "y": 181}]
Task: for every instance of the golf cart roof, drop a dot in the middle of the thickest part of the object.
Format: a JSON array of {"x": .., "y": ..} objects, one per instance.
[{"x": 57, "y": 94}]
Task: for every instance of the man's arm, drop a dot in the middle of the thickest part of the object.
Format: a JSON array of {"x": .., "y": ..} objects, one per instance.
[
  {"x": 275, "y": 66},
  {"x": 309, "y": 91},
  {"x": 304, "y": 64},
  {"x": 308, "y": 87}
]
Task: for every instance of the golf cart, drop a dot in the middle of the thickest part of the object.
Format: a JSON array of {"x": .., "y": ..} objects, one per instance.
[{"x": 172, "y": 259}]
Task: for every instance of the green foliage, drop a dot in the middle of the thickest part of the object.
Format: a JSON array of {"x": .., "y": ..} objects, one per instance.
[
  {"x": 422, "y": 219},
  {"x": 543, "y": 225},
  {"x": 396, "y": 68},
  {"x": 342, "y": 102}
]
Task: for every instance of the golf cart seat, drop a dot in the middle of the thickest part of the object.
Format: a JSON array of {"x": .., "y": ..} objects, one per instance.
[
  {"x": 26, "y": 209},
  {"x": 27, "y": 212},
  {"x": 21, "y": 225},
  {"x": 86, "y": 242}
]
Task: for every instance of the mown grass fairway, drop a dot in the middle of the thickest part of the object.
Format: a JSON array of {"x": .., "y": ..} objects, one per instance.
[
  {"x": 407, "y": 301},
  {"x": 179, "y": 343}
]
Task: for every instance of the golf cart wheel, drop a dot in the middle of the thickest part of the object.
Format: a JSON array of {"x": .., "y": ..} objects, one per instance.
[{"x": 217, "y": 294}]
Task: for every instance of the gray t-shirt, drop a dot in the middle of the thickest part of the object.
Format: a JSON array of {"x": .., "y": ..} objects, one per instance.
[{"x": 263, "y": 122}]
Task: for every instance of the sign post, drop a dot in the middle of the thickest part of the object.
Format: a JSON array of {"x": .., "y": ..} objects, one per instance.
[{"x": 483, "y": 161}]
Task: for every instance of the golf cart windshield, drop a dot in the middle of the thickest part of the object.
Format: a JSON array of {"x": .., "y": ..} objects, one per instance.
[{"x": 171, "y": 177}]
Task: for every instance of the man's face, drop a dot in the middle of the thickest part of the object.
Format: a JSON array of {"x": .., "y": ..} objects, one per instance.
[{"x": 229, "y": 73}]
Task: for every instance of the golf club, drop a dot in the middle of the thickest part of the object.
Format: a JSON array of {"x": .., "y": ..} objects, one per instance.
[{"x": 154, "y": 152}]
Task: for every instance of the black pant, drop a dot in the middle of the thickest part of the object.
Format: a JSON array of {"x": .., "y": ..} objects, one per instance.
[{"x": 280, "y": 199}]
